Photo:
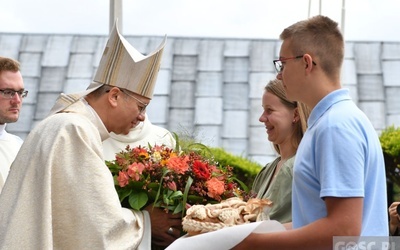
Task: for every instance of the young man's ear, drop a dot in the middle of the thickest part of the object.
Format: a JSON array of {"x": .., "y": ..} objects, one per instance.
[{"x": 308, "y": 60}]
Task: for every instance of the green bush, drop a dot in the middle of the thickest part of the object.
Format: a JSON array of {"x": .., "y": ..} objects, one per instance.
[
  {"x": 244, "y": 169},
  {"x": 390, "y": 142}
]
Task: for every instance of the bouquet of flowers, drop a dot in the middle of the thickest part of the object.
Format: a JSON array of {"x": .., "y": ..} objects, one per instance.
[{"x": 170, "y": 178}]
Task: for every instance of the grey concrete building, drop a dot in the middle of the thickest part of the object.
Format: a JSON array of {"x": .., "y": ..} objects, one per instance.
[{"x": 210, "y": 88}]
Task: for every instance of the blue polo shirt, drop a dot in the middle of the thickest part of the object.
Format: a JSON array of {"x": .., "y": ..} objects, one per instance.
[{"x": 340, "y": 156}]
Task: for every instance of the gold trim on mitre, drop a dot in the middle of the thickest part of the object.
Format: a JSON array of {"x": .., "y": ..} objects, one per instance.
[{"x": 123, "y": 66}]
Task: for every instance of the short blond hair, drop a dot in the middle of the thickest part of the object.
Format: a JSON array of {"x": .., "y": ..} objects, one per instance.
[{"x": 320, "y": 37}]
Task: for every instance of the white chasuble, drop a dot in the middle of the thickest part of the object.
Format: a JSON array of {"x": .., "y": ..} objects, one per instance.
[{"x": 61, "y": 195}]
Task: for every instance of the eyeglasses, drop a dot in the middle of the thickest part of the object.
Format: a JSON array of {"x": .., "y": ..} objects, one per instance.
[
  {"x": 279, "y": 63},
  {"x": 9, "y": 93},
  {"x": 142, "y": 109}
]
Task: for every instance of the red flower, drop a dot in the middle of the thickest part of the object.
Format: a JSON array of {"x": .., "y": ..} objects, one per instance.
[{"x": 201, "y": 170}]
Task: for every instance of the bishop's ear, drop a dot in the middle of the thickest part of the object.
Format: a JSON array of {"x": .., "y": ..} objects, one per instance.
[{"x": 113, "y": 96}]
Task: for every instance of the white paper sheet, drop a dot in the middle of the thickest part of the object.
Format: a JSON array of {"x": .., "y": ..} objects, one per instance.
[{"x": 225, "y": 238}]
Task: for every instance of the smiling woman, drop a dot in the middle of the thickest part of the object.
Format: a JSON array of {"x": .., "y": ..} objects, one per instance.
[{"x": 285, "y": 122}]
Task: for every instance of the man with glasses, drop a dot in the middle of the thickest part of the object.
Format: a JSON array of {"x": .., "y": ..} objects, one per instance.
[
  {"x": 145, "y": 133},
  {"x": 11, "y": 94},
  {"x": 339, "y": 183},
  {"x": 59, "y": 193}
]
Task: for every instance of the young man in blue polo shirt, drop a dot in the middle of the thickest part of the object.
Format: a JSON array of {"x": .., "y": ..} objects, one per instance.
[{"x": 339, "y": 183}]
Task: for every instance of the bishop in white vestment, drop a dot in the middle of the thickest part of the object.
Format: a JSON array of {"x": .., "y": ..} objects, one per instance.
[{"x": 59, "y": 193}]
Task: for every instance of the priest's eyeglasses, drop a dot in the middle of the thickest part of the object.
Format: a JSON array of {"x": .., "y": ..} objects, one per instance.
[
  {"x": 142, "y": 109},
  {"x": 10, "y": 93},
  {"x": 279, "y": 63}
]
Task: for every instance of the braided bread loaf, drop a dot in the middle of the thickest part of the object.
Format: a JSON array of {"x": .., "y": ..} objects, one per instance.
[{"x": 234, "y": 211}]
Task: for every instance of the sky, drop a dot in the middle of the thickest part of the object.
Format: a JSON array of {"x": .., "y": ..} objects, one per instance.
[{"x": 365, "y": 20}]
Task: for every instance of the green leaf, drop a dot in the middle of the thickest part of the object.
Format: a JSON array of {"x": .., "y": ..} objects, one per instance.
[
  {"x": 153, "y": 185},
  {"x": 178, "y": 208},
  {"x": 175, "y": 195},
  {"x": 177, "y": 146},
  {"x": 194, "y": 198},
  {"x": 185, "y": 194},
  {"x": 165, "y": 199},
  {"x": 123, "y": 193},
  {"x": 152, "y": 195},
  {"x": 137, "y": 185},
  {"x": 199, "y": 147},
  {"x": 137, "y": 200},
  {"x": 244, "y": 186},
  {"x": 165, "y": 171},
  {"x": 157, "y": 204}
]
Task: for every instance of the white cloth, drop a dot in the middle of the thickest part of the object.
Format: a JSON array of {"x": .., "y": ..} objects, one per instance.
[
  {"x": 225, "y": 238},
  {"x": 145, "y": 244},
  {"x": 61, "y": 195},
  {"x": 144, "y": 134},
  {"x": 9, "y": 147}
]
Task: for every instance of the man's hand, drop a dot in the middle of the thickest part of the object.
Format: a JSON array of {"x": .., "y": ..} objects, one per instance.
[
  {"x": 394, "y": 218},
  {"x": 161, "y": 222}
]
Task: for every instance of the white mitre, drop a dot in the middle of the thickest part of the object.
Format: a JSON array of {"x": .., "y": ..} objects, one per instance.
[{"x": 122, "y": 66}]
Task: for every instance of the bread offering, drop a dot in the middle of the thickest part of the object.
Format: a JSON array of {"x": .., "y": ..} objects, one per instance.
[{"x": 233, "y": 211}]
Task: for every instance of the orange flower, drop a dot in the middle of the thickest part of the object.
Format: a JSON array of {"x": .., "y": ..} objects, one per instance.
[
  {"x": 178, "y": 164},
  {"x": 215, "y": 187},
  {"x": 123, "y": 178},
  {"x": 166, "y": 158}
]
